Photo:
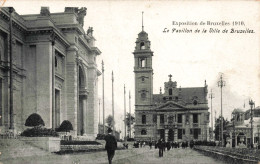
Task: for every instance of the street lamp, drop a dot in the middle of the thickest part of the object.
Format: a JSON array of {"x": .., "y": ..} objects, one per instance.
[
  {"x": 251, "y": 103},
  {"x": 258, "y": 126},
  {"x": 221, "y": 84}
]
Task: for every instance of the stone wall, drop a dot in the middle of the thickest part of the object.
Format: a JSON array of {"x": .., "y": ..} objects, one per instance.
[{"x": 51, "y": 144}]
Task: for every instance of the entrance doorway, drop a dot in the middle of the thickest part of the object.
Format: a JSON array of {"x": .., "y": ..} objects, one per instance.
[
  {"x": 196, "y": 133},
  {"x": 171, "y": 135},
  {"x": 162, "y": 135}
]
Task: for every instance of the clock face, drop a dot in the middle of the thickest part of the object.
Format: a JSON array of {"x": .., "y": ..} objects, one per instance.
[{"x": 143, "y": 95}]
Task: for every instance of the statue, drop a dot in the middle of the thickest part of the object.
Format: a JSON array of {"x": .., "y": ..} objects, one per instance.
[
  {"x": 90, "y": 31},
  {"x": 82, "y": 12}
]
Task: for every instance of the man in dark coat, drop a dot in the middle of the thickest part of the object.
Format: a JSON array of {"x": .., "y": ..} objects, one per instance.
[
  {"x": 111, "y": 145},
  {"x": 160, "y": 146}
]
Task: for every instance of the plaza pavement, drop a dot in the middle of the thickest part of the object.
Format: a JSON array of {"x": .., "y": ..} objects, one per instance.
[{"x": 131, "y": 156}]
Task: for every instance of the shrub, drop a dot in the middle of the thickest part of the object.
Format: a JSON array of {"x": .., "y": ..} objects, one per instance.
[
  {"x": 130, "y": 139},
  {"x": 34, "y": 120},
  {"x": 63, "y": 142},
  {"x": 100, "y": 136},
  {"x": 65, "y": 126},
  {"x": 39, "y": 132}
]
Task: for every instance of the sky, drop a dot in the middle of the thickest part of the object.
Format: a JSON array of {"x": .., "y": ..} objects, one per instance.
[{"x": 191, "y": 58}]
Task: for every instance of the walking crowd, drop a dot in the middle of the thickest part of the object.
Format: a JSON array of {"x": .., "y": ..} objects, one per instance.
[{"x": 163, "y": 145}]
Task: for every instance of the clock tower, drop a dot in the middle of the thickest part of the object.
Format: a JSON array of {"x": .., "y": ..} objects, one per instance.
[{"x": 143, "y": 72}]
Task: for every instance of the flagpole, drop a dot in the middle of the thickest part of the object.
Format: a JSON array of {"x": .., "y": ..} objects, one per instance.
[
  {"x": 113, "y": 103},
  {"x": 130, "y": 117},
  {"x": 124, "y": 112}
]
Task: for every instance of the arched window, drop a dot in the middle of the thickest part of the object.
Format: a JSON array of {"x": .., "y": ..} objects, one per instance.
[
  {"x": 170, "y": 91},
  {"x": 142, "y": 46},
  {"x": 142, "y": 62},
  {"x": 195, "y": 102},
  {"x": 143, "y": 132}
]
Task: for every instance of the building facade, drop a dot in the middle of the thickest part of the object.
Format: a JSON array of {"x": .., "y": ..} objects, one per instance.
[
  {"x": 48, "y": 67},
  {"x": 176, "y": 114},
  {"x": 239, "y": 130}
]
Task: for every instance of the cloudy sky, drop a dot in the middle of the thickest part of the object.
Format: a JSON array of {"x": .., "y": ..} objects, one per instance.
[{"x": 190, "y": 57}]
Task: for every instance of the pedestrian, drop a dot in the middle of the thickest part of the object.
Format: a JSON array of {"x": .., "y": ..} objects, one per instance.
[
  {"x": 150, "y": 144},
  {"x": 111, "y": 145},
  {"x": 191, "y": 144},
  {"x": 164, "y": 145},
  {"x": 160, "y": 146}
]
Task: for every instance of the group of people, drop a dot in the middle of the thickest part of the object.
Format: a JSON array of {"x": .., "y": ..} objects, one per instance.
[
  {"x": 111, "y": 145},
  {"x": 139, "y": 144},
  {"x": 162, "y": 145}
]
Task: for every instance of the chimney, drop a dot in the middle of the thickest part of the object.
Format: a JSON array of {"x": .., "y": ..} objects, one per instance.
[{"x": 45, "y": 11}]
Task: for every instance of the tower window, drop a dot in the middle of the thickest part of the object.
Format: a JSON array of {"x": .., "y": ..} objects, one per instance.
[
  {"x": 195, "y": 102},
  {"x": 142, "y": 62},
  {"x": 143, "y": 119},
  {"x": 170, "y": 91},
  {"x": 142, "y": 46},
  {"x": 142, "y": 79}
]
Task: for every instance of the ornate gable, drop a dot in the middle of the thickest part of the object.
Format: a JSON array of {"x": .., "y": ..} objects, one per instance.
[{"x": 170, "y": 105}]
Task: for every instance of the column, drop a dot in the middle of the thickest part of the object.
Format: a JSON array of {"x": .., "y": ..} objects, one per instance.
[
  {"x": 158, "y": 127},
  {"x": 235, "y": 140},
  {"x": 84, "y": 112},
  {"x": 166, "y": 131},
  {"x": 175, "y": 135},
  {"x": 158, "y": 121},
  {"x": 230, "y": 140}
]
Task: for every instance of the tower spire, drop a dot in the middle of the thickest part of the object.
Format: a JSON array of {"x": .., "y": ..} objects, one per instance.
[{"x": 142, "y": 21}]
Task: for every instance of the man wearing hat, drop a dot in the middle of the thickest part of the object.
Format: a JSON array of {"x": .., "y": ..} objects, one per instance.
[{"x": 111, "y": 145}]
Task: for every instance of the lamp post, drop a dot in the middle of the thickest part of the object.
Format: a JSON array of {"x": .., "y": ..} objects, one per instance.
[
  {"x": 221, "y": 84},
  {"x": 211, "y": 96},
  {"x": 251, "y": 103},
  {"x": 103, "y": 97},
  {"x": 258, "y": 127}
]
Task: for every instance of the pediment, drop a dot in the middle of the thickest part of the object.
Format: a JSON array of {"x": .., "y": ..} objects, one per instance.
[{"x": 171, "y": 105}]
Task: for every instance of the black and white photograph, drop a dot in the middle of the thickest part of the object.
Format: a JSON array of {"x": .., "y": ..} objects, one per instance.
[{"x": 129, "y": 82}]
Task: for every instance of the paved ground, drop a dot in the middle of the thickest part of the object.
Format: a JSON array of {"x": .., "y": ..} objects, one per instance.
[{"x": 130, "y": 156}]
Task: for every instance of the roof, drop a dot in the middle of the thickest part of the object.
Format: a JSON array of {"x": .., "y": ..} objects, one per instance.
[{"x": 190, "y": 94}]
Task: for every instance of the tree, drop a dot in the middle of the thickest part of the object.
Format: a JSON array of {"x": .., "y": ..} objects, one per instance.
[
  {"x": 65, "y": 126},
  {"x": 110, "y": 121},
  {"x": 128, "y": 117},
  {"x": 34, "y": 120},
  {"x": 218, "y": 128}
]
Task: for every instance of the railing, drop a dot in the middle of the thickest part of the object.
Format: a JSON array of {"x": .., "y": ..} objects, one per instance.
[{"x": 234, "y": 153}]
